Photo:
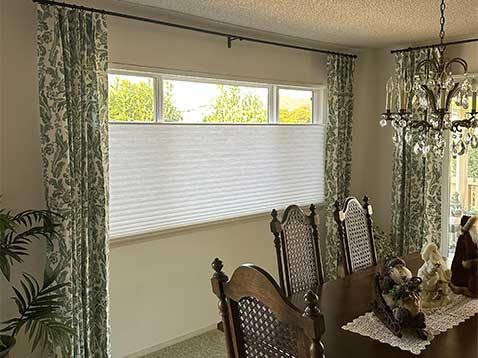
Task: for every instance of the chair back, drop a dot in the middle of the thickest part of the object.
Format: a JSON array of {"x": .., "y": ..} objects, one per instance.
[
  {"x": 259, "y": 321},
  {"x": 296, "y": 241},
  {"x": 356, "y": 234}
]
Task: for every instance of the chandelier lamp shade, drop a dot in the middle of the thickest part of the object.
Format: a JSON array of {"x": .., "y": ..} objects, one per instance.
[{"x": 419, "y": 106}]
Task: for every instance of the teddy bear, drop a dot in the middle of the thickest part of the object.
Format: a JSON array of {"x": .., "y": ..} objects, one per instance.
[
  {"x": 435, "y": 278},
  {"x": 464, "y": 268},
  {"x": 402, "y": 293}
]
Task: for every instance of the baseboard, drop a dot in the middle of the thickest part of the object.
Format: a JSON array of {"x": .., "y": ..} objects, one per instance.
[{"x": 171, "y": 342}]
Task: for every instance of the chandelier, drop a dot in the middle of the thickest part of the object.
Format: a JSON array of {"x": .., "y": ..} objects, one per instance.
[{"x": 419, "y": 108}]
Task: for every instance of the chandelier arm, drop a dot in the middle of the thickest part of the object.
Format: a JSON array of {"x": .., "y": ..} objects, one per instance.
[
  {"x": 461, "y": 123},
  {"x": 431, "y": 97},
  {"x": 457, "y": 60},
  {"x": 420, "y": 125},
  {"x": 427, "y": 61}
]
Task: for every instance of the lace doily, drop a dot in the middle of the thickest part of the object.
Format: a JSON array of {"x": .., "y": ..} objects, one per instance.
[{"x": 438, "y": 320}]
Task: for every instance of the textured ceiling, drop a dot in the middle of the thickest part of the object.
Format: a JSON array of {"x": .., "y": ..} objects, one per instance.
[{"x": 354, "y": 23}]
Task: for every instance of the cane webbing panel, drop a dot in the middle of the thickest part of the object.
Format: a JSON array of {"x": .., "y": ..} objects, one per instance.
[
  {"x": 264, "y": 336},
  {"x": 357, "y": 236},
  {"x": 300, "y": 251}
]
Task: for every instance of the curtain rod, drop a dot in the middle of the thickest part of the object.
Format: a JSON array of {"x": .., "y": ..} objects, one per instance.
[
  {"x": 434, "y": 45},
  {"x": 230, "y": 37}
]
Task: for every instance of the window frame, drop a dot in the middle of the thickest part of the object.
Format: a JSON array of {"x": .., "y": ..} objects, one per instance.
[{"x": 319, "y": 104}]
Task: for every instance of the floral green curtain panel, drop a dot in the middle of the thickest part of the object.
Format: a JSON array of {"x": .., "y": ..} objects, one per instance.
[
  {"x": 416, "y": 186},
  {"x": 338, "y": 163},
  {"x": 72, "y": 70}
]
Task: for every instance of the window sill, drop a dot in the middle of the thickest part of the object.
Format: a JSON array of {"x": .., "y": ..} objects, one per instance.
[{"x": 168, "y": 233}]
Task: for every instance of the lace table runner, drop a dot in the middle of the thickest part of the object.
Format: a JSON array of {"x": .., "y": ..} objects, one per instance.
[{"x": 438, "y": 320}]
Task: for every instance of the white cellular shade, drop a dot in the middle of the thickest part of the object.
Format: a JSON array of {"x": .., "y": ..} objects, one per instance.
[{"x": 164, "y": 176}]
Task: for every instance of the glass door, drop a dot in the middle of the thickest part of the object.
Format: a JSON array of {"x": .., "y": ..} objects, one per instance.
[{"x": 461, "y": 190}]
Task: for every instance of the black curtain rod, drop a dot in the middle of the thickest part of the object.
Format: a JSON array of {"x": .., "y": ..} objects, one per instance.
[
  {"x": 434, "y": 45},
  {"x": 229, "y": 37}
]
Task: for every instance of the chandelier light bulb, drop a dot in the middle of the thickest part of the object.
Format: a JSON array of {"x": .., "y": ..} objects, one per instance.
[
  {"x": 474, "y": 95},
  {"x": 389, "y": 94}
]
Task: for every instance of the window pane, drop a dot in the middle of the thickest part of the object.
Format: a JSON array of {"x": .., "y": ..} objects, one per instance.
[
  {"x": 295, "y": 106},
  {"x": 199, "y": 102},
  {"x": 463, "y": 190},
  {"x": 130, "y": 98}
]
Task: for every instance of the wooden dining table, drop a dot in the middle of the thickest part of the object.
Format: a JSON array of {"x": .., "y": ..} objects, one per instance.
[{"x": 344, "y": 299}]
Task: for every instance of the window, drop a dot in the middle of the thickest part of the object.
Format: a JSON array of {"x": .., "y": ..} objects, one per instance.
[
  {"x": 295, "y": 106},
  {"x": 131, "y": 98},
  {"x": 186, "y": 151},
  {"x": 199, "y": 102},
  {"x": 461, "y": 188},
  {"x": 139, "y": 97}
]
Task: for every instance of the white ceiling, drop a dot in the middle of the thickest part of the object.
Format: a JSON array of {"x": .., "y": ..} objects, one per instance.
[{"x": 353, "y": 23}]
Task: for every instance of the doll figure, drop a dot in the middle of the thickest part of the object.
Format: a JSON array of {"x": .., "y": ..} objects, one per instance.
[
  {"x": 402, "y": 294},
  {"x": 464, "y": 268},
  {"x": 435, "y": 278}
]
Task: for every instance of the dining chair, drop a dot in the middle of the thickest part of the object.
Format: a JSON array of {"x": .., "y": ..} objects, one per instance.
[
  {"x": 296, "y": 242},
  {"x": 355, "y": 231},
  {"x": 259, "y": 321}
]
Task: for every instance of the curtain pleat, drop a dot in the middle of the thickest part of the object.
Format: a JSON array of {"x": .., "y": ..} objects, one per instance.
[
  {"x": 73, "y": 91},
  {"x": 416, "y": 179},
  {"x": 338, "y": 161}
]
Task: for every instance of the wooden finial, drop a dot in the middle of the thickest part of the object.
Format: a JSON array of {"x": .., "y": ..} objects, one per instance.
[
  {"x": 337, "y": 205},
  {"x": 313, "y": 215},
  {"x": 276, "y": 226},
  {"x": 312, "y": 311},
  {"x": 367, "y": 206},
  {"x": 274, "y": 213},
  {"x": 276, "y": 229},
  {"x": 217, "y": 265},
  {"x": 311, "y": 300},
  {"x": 219, "y": 282},
  {"x": 312, "y": 209}
]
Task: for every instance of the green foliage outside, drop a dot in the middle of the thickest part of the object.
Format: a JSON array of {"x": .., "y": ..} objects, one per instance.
[
  {"x": 233, "y": 107},
  {"x": 472, "y": 164},
  {"x": 134, "y": 101},
  {"x": 300, "y": 115},
  {"x": 170, "y": 112},
  {"x": 129, "y": 101}
]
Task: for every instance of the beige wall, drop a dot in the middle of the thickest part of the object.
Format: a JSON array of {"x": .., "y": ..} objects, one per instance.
[
  {"x": 372, "y": 145},
  {"x": 19, "y": 141}
]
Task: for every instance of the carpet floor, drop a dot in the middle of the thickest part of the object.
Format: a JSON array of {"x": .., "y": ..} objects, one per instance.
[{"x": 207, "y": 345}]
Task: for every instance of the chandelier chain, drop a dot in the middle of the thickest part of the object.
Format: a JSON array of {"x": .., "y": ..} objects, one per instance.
[{"x": 442, "y": 25}]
